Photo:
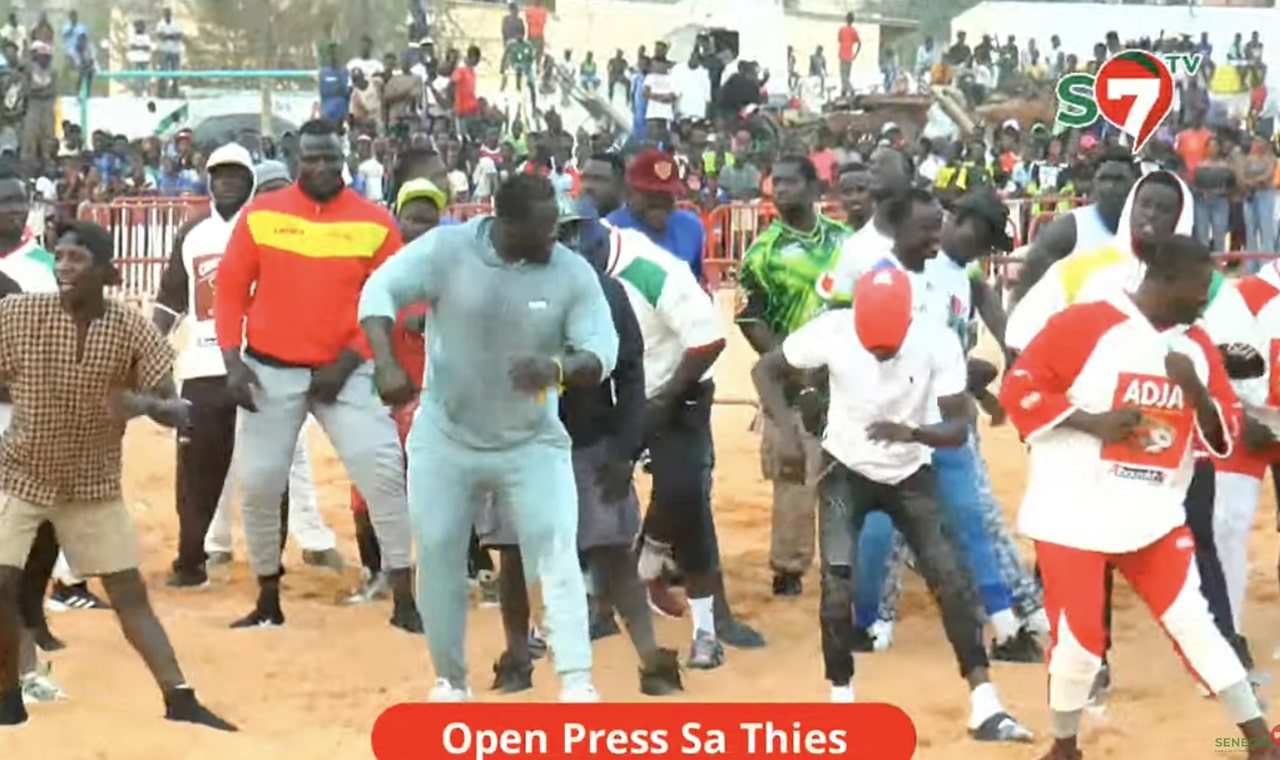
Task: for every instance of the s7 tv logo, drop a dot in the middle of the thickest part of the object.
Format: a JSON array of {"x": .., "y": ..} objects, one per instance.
[{"x": 1132, "y": 90}]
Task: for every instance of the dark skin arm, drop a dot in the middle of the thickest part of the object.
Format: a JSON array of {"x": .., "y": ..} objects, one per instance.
[
  {"x": 628, "y": 378},
  {"x": 693, "y": 365},
  {"x": 161, "y": 404},
  {"x": 950, "y": 433},
  {"x": 761, "y": 339},
  {"x": 987, "y": 302},
  {"x": 171, "y": 300},
  {"x": 394, "y": 385},
  {"x": 1052, "y": 244}
]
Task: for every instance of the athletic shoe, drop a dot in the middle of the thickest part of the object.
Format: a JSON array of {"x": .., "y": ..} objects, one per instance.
[
  {"x": 77, "y": 597},
  {"x": 1023, "y": 648},
  {"x": 187, "y": 579},
  {"x": 863, "y": 642},
  {"x": 537, "y": 643},
  {"x": 487, "y": 584},
  {"x": 882, "y": 634},
  {"x": 13, "y": 711},
  {"x": 842, "y": 695},
  {"x": 444, "y": 691},
  {"x": 181, "y": 706},
  {"x": 1001, "y": 727},
  {"x": 707, "y": 653},
  {"x": 787, "y": 584},
  {"x": 581, "y": 694},
  {"x": 328, "y": 559},
  {"x": 405, "y": 616},
  {"x": 510, "y": 676},
  {"x": 660, "y": 676},
  {"x": 45, "y": 639},
  {"x": 263, "y": 616},
  {"x": 38, "y": 688},
  {"x": 374, "y": 587},
  {"x": 739, "y": 635},
  {"x": 664, "y": 602}
]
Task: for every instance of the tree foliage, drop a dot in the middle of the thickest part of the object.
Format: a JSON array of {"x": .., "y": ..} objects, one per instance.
[{"x": 284, "y": 34}]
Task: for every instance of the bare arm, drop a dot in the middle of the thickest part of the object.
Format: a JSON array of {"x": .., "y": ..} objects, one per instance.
[
  {"x": 1053, "y": 244},
  {"x": 987, "y": 302}
]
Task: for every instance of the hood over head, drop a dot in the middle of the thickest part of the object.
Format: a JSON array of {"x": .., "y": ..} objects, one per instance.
[
  {"x": 1186, "y": 213},
  {"x": 233, "y": 154}
]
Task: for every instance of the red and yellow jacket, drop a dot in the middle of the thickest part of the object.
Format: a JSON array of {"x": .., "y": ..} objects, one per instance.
[{"x": 289, "y": 284}]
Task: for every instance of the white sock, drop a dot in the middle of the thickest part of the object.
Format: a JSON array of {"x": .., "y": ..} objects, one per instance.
[
  {"x": 842, "y": 695},
  {"x": 704, "y": 615},
  {"x": 1006, "y": 625},
  {"x": 983, "y": 703}
]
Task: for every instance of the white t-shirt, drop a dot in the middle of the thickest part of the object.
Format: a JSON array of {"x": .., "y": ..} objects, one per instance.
[
  {"x": 860, "y": 252},
  {"x": 905, "y": 389},
  {"x": 485, "y": 178},
  {"x": 674, "y": 313},
  {"x": 373, "y": 173},
  {"x": 371, "y": 67},
  {"x": 170, "y": 28},
  {"x": 660, "y": 84},
  {"x": 954, "y": 287},
  {"x": 140, "y": 48},
  {"x": 695, "y": 91}
]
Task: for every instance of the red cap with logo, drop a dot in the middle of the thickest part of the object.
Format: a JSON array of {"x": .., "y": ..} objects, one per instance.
[
  {"x": 882, "y": 309},
  {"x": 654, "y": 171}
]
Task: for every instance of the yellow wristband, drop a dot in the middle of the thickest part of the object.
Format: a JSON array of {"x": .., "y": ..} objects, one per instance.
[{"x": 559, "y": 373}]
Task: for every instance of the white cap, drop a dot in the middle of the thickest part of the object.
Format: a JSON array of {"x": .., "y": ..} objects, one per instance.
[
  {"x": 1011, "y": 124},
  {"x": 231, "y": 154}
]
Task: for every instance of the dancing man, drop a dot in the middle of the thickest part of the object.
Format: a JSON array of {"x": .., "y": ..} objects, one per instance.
[
  {"x": 284, "y": 310},
  {"x": 606, "y": 425},
  {"x": 78, "y": 366},
  {"x": 1112, "y": 396},
  {"x": 877, "y": 443},
  {"x": 515, "y": 317}
]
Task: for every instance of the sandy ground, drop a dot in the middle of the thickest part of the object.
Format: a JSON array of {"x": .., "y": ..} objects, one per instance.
[{"x": 313, "y": 689}]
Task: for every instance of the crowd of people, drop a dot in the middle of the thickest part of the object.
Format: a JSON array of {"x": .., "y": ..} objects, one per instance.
[{"x": 574, "y": 343}]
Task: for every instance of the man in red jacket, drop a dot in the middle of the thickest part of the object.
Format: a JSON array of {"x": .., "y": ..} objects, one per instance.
[{"x": 285, "y": 317}]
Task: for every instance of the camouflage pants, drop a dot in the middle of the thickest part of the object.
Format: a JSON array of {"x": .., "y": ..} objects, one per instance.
[
  {"x": 792, "y": 541},
  {"x": 1027, "y": 594}
]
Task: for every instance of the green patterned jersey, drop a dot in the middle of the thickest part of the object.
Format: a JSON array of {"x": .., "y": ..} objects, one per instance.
[{"x": 784, "y": 281}]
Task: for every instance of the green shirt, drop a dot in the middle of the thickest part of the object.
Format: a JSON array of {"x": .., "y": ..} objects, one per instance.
[
  {"x": 521, "y": 54},
  {"x": 783, "y": 281}
]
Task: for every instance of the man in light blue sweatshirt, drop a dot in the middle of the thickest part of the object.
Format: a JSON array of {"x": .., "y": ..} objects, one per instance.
[{"x": 513, "y": 318}]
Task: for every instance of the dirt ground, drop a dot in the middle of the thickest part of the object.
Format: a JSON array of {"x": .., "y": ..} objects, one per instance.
[{"x": 313, "y": 689}]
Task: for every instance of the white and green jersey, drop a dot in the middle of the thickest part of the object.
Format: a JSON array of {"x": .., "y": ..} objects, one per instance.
[{"x": 31, "y": 266}]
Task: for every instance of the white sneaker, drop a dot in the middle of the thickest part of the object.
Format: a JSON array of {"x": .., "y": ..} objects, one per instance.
[
  {"x": 842, "y": 695},
  {"x": 580, "y": 694},
  {"x": 444, "y": 691},
  {"x": 38, "y": 688},
  {"x": 882, "y": 634}
]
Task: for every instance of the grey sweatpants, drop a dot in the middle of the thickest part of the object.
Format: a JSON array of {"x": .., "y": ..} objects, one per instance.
[
  {"x": 360, "y": 429},
  {"x": 535, "y": 483}
]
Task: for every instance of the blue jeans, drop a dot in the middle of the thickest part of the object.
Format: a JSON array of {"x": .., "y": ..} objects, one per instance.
[
  {"x": 957, "y": 472},
  {"x": 1213, "y": 220},
  {"x": 1260, "y": 225},
  {"x": 536, "y": 482}
]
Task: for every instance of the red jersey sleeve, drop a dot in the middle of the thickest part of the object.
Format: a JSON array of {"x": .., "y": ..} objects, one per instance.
[
  {"x": 1034, "y": 393},
  {"x": 1230, "y": 410},
  {"x": 1256, "y": 292},
  {"x": 237, "y": 272}
]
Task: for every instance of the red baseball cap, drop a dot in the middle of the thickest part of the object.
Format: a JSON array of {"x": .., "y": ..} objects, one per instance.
[
  {"x": 654, "y": 171},
  {"x": 882, "y": 309}
]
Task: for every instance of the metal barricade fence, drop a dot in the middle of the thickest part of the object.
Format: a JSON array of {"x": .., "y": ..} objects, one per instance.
[{"x": 144, "y": 231}]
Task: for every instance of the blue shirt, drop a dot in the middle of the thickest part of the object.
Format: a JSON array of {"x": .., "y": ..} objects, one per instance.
[
  {"x": 639, "y": 106},
  {"x": 335, "y": 93},
  {"x": 684, "y": 237},
  {"x": 71, "y": 33}
]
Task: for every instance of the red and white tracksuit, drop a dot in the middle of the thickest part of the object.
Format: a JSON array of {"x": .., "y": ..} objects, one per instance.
[
  {"x": 1239, "y": 477},
  {"x": 1088, "y": 504},
  {"x": 410, "y": 348}
]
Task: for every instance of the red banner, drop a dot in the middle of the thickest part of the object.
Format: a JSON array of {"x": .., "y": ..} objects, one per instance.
[{"x": 775, "y": 731}]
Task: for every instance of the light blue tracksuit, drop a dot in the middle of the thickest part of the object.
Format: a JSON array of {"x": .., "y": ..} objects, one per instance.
[{"x": 473, "y": 432}]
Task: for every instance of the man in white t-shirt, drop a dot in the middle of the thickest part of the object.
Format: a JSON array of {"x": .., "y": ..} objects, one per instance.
[
  {"x": 890, "y": 372},
  {"x": 366, "y": 61},
  {"x": 662, "y": 95},
  {"x": 694, "y": 87},
  {"x": 890, "y": 176}
]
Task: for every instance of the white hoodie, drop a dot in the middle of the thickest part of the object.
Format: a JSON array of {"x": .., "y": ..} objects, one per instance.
[
  {"x": 1098, "y": 275},
  {"x": 187, "y": 285}
]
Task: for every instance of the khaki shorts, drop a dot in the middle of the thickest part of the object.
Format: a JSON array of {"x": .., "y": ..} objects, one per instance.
[{"x": 98, "y": 538}]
